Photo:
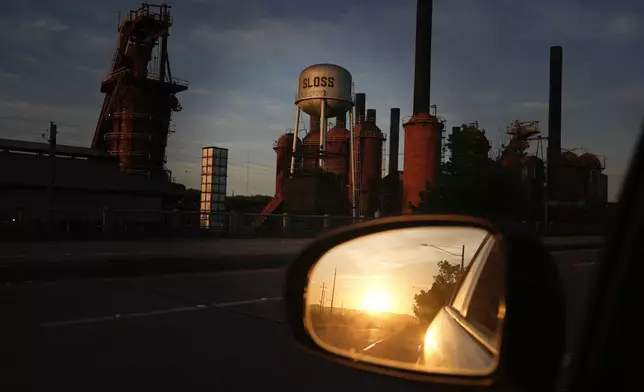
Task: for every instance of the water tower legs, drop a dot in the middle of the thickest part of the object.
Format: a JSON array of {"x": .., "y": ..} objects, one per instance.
[
  {"x": 323, "y": 124},
  {"x": 352, "y": 165},
  {"x": 295, "y": 131}
]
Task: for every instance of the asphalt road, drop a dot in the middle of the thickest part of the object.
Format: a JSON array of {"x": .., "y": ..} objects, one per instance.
[{"x": 211, "y": 331}]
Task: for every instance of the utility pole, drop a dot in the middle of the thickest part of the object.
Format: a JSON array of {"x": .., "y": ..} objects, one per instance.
[
  {"x": 322, "y": 299},
  {"x": 53, "y": 133},
  {"x": 462, "y": 258},
  {"x": 247, "y": 164},
  {"x": 342, "y": 309},
  {"x": 335, "y": 271}
]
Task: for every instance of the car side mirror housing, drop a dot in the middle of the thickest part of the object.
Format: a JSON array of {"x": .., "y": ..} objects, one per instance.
[{"x": 447, "y": 299}]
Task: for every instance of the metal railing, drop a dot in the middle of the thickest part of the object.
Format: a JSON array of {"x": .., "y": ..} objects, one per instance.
[
  {"x": 121, "y": 223},
  {"x": 99, "y": 223}
]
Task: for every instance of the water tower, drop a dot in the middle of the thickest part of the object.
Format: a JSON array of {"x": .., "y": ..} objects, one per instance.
[{"x": 324, "y": 91}]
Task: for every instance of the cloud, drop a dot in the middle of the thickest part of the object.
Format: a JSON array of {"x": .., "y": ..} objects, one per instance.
[
  {"x": 199, "y": 91},
  {"x": 9, "y": 76},
  {"x": 23, "y": 31},
  {"x": 533, "y": 105},
  {"x": 625, "y": 26},
  {"x": 98, "y": 43},
  {"x": 89, "y": 70},
  {"x": 632, "y": 93},
  {"x": 46, "y": 24}
]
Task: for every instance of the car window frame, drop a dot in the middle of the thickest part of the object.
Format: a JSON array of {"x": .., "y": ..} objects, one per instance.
[
  {"x": 475, "y": 268},
  {"x": 487, "y": 339}
]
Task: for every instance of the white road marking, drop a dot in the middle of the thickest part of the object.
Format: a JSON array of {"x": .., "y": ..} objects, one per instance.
[
  {"x": 369, "y": 347},
  {"x": 118, "y": 316},
  {"x": 249, "y": 301}
]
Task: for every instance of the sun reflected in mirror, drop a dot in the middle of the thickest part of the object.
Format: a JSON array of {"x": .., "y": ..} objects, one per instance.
[
  {"x": 376, "y": 301},
  {"x": 396, "y": 298}
]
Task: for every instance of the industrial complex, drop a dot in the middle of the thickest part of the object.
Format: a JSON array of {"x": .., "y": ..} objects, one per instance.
[
  {"x": 331, "y": 167},
  {"x": 124, "y": 169},
  {"x": 339, "y": 171}
]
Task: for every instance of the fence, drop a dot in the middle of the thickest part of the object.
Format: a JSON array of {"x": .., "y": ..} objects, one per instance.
[
  {"x": 25, "y": 224},
  {"x": 136, "y": 224}
]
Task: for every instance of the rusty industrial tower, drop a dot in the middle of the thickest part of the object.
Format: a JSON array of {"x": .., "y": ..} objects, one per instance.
[{"x": 140, "y": 93}]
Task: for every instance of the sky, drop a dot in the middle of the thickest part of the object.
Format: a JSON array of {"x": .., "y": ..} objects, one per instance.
[
  {"x": 242, "y": 59},
  {"x": 382, "y": 272}
]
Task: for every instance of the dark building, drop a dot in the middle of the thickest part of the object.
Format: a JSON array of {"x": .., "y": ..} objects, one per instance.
[{"x": 74, "y": 183}]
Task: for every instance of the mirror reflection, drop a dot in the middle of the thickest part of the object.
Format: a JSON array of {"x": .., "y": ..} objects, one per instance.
[{"x": 425, "y": 299}]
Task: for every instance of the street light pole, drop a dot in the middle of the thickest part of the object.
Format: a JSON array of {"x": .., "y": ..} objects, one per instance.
[
  {"x": 335, "y": 271},
  {"x": 462, "y": 258}
]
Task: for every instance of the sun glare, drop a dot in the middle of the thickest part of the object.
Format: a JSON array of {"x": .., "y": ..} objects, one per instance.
[{"x": 376, "y": 301}]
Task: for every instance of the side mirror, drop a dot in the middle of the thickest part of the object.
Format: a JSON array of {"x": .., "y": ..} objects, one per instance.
[{"x": 448, "y": 299}]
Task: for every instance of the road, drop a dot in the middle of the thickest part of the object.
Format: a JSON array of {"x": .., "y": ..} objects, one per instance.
[{"x": 220, "y": 331}]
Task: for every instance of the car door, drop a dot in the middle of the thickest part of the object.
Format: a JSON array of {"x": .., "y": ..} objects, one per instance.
[
  {"x": 608, "y": 354},
  {"x": 466, "y": 330}
]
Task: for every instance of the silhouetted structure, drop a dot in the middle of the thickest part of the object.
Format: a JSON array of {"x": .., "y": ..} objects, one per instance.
[{"x": 134, "y": 122}]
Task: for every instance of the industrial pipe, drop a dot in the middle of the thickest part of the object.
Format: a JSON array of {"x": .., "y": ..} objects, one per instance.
[
  {"x": 422, "y": 131},
  {"x": 394, "y": 139},
  {"x": 353, "y": 165},
  {"x": 361, "y": 103},
  {"x": 371, "y": 116},
  {"x": 295, "y": 131},
  {"x": 323, "y": 134},
  {"x": 423, "y": 62},
  {"x": 554, "y": 117}
]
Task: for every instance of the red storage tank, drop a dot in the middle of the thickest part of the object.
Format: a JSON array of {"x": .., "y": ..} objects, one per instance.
[
  {"x": 369, "y": 138},
  {"x": 284, "y": 149},
  {"x": 534, "y": 170},
  {"x": 590, "y": 161},
  {"x": 422, "y": 137},
  {"x": 310, "y": 149},
  {"x": 337, "y": 152},
  {"x": 571, "y": 179}
]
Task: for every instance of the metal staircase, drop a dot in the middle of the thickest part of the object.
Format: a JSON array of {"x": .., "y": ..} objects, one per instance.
[{"x": 268, "y": 210}]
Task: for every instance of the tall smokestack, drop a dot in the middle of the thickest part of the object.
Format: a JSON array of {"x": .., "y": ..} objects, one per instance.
[
  {"x": 394, "y": 138},
  {"x": 423, "y": 63},
  {"x": 554, "y": 118},
  {"x": 422, "y": 131},
  {"x": 361, "y": 103},
  {"x": 371, "y": 116}
]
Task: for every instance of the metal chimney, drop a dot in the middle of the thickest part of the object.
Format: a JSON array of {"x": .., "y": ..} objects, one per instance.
[
  {"x": 371, "y": 116},
  {"x": 361, "y": 103},
  {"x": 394, "y": 139},
  {"x": 423, "y": 68},
  {"x": 554, "y": 118}
]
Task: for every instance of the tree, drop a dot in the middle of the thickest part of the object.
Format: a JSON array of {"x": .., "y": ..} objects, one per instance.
[
  {"x": 472, "y": 183},
  {"x": 428, "y": 302}
]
